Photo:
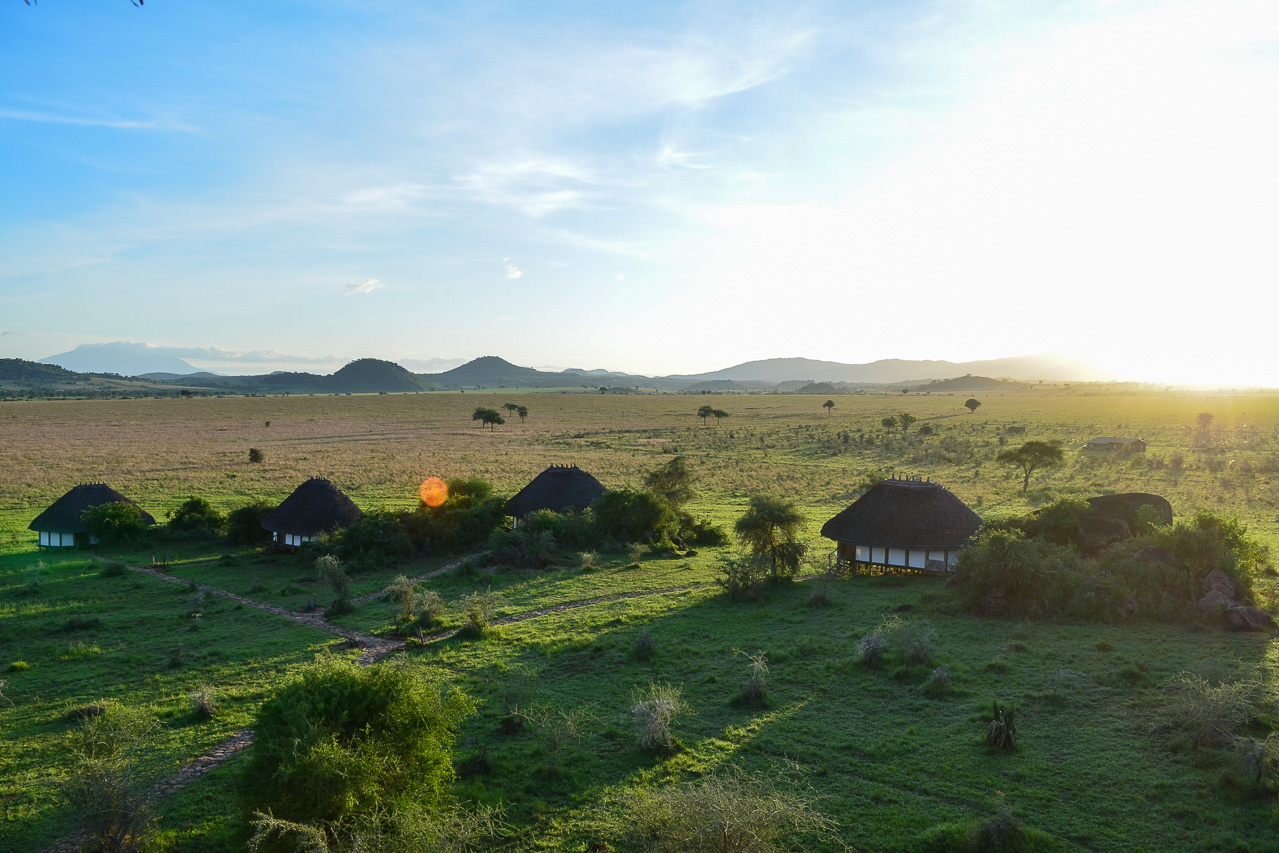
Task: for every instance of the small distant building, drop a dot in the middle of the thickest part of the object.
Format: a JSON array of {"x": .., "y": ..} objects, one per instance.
[
  {"x": 558, "y": 488},
  {"x": 62, "y": 524},
  {"x": 902, "y": 525},
  {"x": 1116, "y": 445},
  {"x": 317, "y": 506}
]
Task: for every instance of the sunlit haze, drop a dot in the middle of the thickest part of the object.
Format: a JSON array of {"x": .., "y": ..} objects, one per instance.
[{"x": 652, "y": 188}]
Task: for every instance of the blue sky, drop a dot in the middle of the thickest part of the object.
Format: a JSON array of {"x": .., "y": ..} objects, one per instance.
[{"x": 655, "y": 188}]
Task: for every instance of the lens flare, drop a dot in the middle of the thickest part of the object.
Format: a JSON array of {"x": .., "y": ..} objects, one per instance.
[{"x": 433, "y": 491}]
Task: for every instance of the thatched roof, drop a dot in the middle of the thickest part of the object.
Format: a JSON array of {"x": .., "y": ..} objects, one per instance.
[
  {"x": 905, "y": 514},
  {"x": 1125, "y": 506},
  {"x": 557, "y": 488},
  {"x": 65, "y": 515},
  {"x": 317, "y": 506}
]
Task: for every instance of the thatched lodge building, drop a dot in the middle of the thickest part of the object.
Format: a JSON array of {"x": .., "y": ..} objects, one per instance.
[
  {"x": 317, "y": 506},
  {"x": 902, "y": 525},
  {"x": 558, "y": 488},
  {"x": 62, "y": 524}
]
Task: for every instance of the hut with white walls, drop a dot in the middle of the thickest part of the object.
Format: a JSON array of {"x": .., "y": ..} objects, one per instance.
[
  {"x": 62, "y": 525},
  {"x": 315, "y": 507},
  {"x": 902, "y": 525}
]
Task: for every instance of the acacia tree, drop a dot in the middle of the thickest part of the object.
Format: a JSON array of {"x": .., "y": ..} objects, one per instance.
[
  {"x": 1203, "y": 420},
  {"x": 672, "y": 482},
  {"x": 1030, "y": 456},
  {"x": 522, "y": 411},
  {"x": 487, "y": 417},
  {"x": 971, "y": 404},
  {"x": 906, "y": 420},
  {"x": 718, "y": 414},
  {"x": 889, "y": 422},
  {"x": 511, "y": 408},
  {"x": 705, "y": 412},
  {"x": 828, "y": 405},
  {"x": 770, "y": 530}
]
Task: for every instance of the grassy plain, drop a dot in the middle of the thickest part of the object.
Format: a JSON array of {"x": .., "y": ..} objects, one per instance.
[{"x": 1102, "y": 765}]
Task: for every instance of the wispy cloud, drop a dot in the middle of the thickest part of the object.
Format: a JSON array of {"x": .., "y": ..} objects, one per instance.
[
  {"x": 369, "y": 285},
  {"x": 512, "y": 271},
  {"x": 7, "y": 332},
  {"x": 120, "y": 124}
]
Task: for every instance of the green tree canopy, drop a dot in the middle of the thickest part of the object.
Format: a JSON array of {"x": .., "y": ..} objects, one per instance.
[
  {"x": 770, "y": 530},
  {"x": 672, "y": 482},
  {"x": 829, "y": 404},
  {"x": 705, "y": 412},
  {"x": 971, "y": 404},
  {"x": 1031, "y": 456},
  {"x": 906, "y": 420},
  {"x": 487, "y": 417},
  {"x": 339, "y": 740},
  {"x": 718, "y": 415}
]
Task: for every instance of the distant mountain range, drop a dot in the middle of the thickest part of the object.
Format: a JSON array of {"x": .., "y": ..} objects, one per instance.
[{"x": 370, "y": 375}]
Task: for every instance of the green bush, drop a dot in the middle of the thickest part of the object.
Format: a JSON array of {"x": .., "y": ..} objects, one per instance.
[
  {"x": 340, "y": 740},
  {"x": 625, "y": 515},
  {"x": 466, "y": 519},
  {"x": 374, "y": 537},
  {"x": 119, "y": 523},
  {"x": 114, "y": 765},
  {"x": 196, "y": 517},
  {"x": 244, "y": 524}
]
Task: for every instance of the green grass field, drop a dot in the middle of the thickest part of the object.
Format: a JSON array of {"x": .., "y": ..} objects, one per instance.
[{"x": 1102, "y": 763}]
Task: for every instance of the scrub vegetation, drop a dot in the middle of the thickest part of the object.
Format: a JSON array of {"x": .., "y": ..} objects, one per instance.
[{"x": 677, "y": 671}]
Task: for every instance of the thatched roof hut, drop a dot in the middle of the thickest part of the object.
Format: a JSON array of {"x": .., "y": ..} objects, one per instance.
[
  {"x": 558, "y": 488},
  {"x": 902, "y": 524},
  {"x": 317, "y": 506},
  {"x": 62, "y": 524}
]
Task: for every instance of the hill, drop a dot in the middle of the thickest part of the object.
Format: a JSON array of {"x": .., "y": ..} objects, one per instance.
[
  {"x": 371, "y": 375},
  {"x": 896, "y": 370},
  {"x": 123, "y": 357}
]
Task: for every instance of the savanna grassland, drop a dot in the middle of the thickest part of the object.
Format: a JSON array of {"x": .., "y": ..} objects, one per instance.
[{"x": 1104, "y": 761}]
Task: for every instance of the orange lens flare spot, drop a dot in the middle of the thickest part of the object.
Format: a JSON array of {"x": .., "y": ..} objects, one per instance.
[{"x": 434, "y": 492}]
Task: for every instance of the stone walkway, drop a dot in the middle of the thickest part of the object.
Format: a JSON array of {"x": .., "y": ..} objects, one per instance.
[{"x": 375, "y": 648}]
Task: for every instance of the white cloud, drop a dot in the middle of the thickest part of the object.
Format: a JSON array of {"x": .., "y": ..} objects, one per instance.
[
  {"x": 369, "y": 285},
  {"x": 120, "y": 124},
  {"x": 512, "y": 271}
]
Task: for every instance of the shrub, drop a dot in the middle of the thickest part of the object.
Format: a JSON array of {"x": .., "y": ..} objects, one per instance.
[
  {"x": 196, "y": 517},
  {"x": 113, "y": 569},
  {"x": 645, "y": 645},
  {"x": 480, "y": 609},
  {"x": 19, "y": 666},
  {"x": 1001, "y": 733},
  {"x": 256, "y": 456},
  {"x": 938, "y": 683},
  {"x": 624, "y": 515},
  {"x": 730, "y": 812},
  {"x": 739, "y": 577},
  {"x": 754, "y": 692},
  {"x": 653, "y": 712},
  {"x": 871, "y": 648},
  {"x": 1211, "y": 714},
  {"x": 204, "y": 702},
  {"x": 374, "y": 536},
  {"x": 340, "y": 740},
  {"x": 329, "y": 569},
  {"x": 119, "y": 523},
  {"x": 410, "y": 829},
  {"x": 114, "y": 765},
  {"x": 1260, "y": 758},
  {"x": 244, "y": 524}
]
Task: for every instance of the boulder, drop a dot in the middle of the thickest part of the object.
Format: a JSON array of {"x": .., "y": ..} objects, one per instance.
[
  {"x": 1221, "y": 582},
  {"x": 1216, "y": 599},
  {"x": 1155, "y": 554},
  {"x": 1248, "y": 618}
]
